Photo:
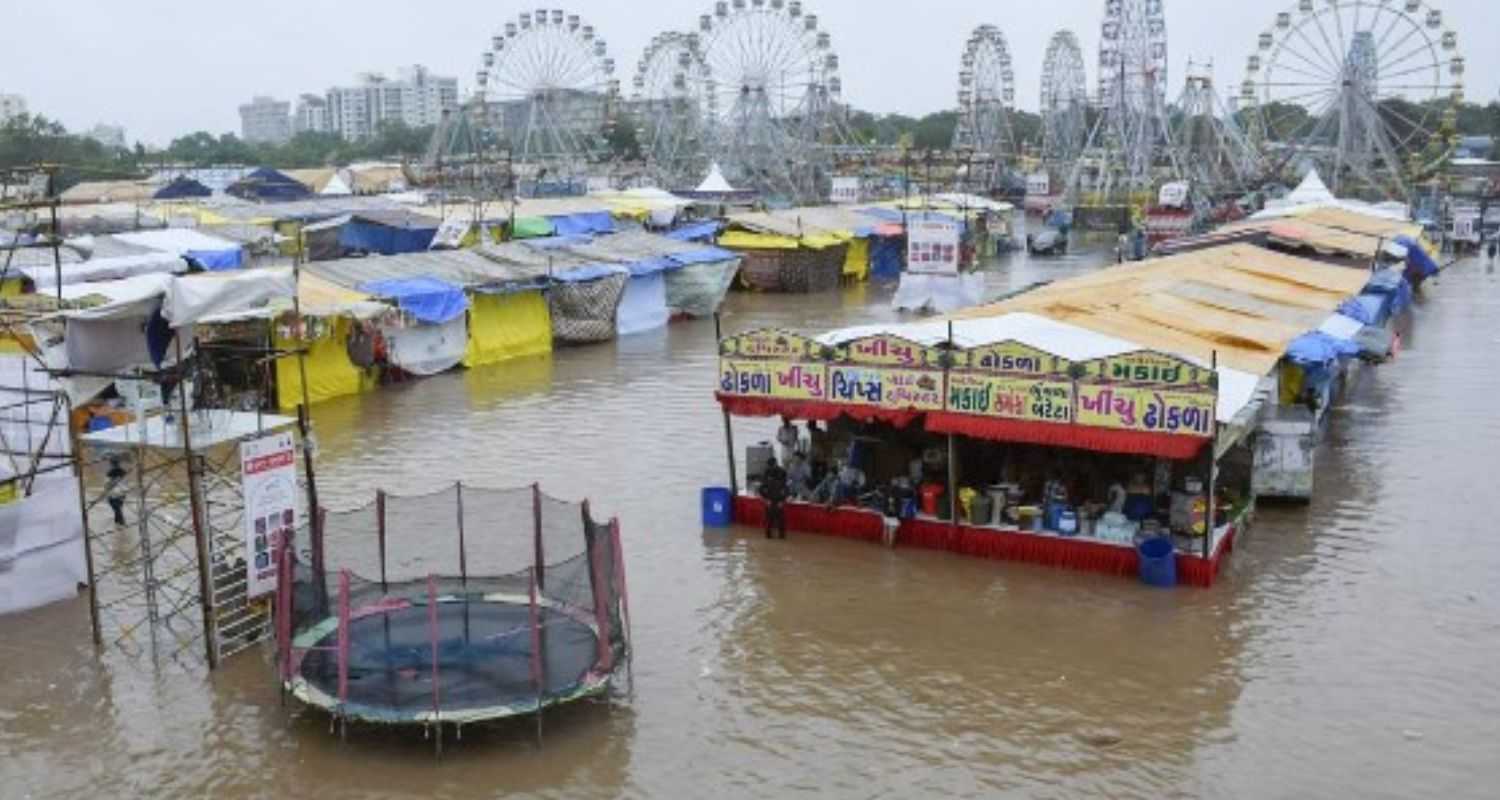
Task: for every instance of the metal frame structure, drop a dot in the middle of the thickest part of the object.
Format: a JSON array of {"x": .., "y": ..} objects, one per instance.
[
  {"x": 775, "y": 79},
  {"x": 1064, "y": 100},
  {"x": 675, "y": 100},
  {"x": 549, "y": 82},
  {"x": 1214, "y": 150},
  {"x": 1365, "y": 90},
  {"x": 986, "y": 103}
]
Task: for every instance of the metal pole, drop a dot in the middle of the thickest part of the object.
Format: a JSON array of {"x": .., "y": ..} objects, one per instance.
[
  {"x": 734, "y": 478},
  {"x": 952, "y": 452},
  {"x": 83, "y": 514},
  {"x": 463, "y": 556},
  {"x": 195, "y": 504},
  {"x": 537, "y": 667},
  {"x": 1213, "y": 467},
  {"x": 536, "y": 519},
  {"x": 380, "y": 533},
  {"x": 432, "y": 631}
]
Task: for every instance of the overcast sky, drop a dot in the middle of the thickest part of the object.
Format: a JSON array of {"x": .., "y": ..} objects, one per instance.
[{"x": 163, "y": 68}]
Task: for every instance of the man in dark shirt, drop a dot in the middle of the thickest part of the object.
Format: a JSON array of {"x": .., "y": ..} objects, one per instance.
[{"x": 773, "y": 488}]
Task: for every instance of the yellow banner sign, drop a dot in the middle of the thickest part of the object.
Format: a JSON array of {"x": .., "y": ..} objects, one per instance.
[
  {"x": 886, "y": 387},
  {"x": 785, "y": 380},
  {"x": 771, "y": 344},
  {"x": 1013, "y": 358},
  {"x": 1145, "y": 368},
  {"x": 1151, "y": 410},
  {"x": 1010, "y": 398},
  {"x": 889, "y": 351}
]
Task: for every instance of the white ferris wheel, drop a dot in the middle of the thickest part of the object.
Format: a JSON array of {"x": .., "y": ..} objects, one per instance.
[
  {"x": 675, "y": 103},
  {"x": 549, "y": 81},
  {"x": 1364, "y": 90},
  {"x": 986, "y": 96},
  {"x": 772, "y": 84},
  {"x": 1064, "y": 100}
]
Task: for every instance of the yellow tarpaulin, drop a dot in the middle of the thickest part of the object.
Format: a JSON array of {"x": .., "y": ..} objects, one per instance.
[
  {"x": 502, "y": 327},
  {"x": 330, "y": 373},
  {"x": 857, "y": 260},
  {"x": 744, "y": 240}
]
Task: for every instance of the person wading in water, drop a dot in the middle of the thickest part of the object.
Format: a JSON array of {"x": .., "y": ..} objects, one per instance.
[{"x": 773, "y": 489}]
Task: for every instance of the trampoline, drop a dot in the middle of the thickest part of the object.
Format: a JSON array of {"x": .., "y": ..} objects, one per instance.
[{"x": 457, "y": 649}]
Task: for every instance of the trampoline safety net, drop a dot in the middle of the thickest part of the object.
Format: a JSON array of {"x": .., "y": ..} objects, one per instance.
[{"x": 461, "y": 606}]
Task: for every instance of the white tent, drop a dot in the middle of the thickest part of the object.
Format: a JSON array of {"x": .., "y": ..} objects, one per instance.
[
  {"x": 337, "y": 186},
  {"x": 716, "y": 183},
  {"x": 1313, "y": 193}
]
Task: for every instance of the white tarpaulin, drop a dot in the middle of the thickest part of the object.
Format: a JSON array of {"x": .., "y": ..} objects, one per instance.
[
  {"x": 41, "y": 546},
  {"x": 268, "y": 478},
  {"x": 428, "y": 349},
  {"x": 938, "y": 293},
  {"x": 105, "y": 269},
  {"x": 33, "y": 429},
  {"x": 197, "y": 297},
  {"x": 644, "y": 306}
]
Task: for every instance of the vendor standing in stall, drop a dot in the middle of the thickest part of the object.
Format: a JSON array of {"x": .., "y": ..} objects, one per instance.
[{"x": 787, "y": 437}]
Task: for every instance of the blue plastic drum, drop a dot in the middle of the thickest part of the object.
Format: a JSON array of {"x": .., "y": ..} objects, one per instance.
[
  {"x": 1158, "y": 559},
  {"x": 718, "y": 507}
]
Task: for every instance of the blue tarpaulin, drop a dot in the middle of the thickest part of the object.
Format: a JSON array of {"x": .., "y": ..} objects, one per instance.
[
  {"x": 700, "y": 231},
  {"x": 216, "y": 260},
  {"x": 556, "y": 242},
  {"x": 267, "y": 185},
  {"x": 1417, "y": 259},
  {"x": 388, "y": 240},
  {"x": 1353, "y": 308},
  {"x": 181, "y": 188},
  {"x": 1316, "y": 349},
  {"x": 588, "y": 272},
  {"x": 652, "y": 266},
  {"x": 887, "y": 255},
  {"x": 582, "y": 224},
  {"x": 426, "y": 299}
]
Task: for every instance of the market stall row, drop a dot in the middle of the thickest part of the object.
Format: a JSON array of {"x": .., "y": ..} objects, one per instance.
[{"x": 1058, "y": 427}]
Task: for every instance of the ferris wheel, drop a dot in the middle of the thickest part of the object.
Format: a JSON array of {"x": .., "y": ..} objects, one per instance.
[
  {"x": 675, "y": 102},
  {"x": 1064, "y": 103},
  {"x": 550, "y": 82},
  {"x": 986, "y": 96},
  {"x": 1365, "y": 90},
  {"x": 773, "y": 85},
  {"x": 1133, "y": 54}
]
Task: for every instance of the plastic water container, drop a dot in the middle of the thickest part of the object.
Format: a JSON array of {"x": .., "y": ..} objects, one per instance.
[
  {"x": 981, "y": 510},
  {"x": 1158, "y": 562},
  {"x": 718, "y": 507},
  {"x": 1067, "y": 522}
]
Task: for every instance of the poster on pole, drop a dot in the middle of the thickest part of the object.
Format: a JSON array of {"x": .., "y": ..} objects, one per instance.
[
  {"x": 847, "y": 190},
  {"x": 268, "y": 478},
  {"x": 932, "y": 247}
]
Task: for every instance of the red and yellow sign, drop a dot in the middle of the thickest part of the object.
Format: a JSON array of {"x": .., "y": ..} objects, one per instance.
[
  {"x": 1146, "y": 409},
  {"x": 889, "y": 351},
  {"x": 886, "y": 387},
  {"x": 787, "y": 380},
  {"x": 1013, "y": 358},
  {"x": 771, "y": 344},
  {"x": 1147, "y": 368},
  {"x": 1030, "y": 399}
]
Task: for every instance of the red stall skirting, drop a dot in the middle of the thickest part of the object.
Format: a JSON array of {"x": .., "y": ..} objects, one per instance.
[{"x": 1027, "y": 548}]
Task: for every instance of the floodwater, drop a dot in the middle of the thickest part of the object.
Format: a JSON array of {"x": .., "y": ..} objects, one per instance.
[{"x": 1352, "y": 649}]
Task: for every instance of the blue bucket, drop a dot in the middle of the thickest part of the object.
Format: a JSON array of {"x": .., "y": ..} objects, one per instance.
[
  {"x": 1158, "y": 559},
  {"x": 718, "y": 507}
]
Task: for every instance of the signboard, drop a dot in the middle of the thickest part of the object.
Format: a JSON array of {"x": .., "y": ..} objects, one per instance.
[
  {"x": 885, "y": 387},
  {"x": 788, "y": 380},
  {"x": 1147, "y": 368},
  {"x": 1039, "y": 183},
  {"x": 889, "y": 351},
  {"x": 847, "y": 190},
  {"x": 1013, "y": 358},
  {"x": 1173, "y": 195},
  {"x": 268, "y": 479},
  {"x": 1010, "y": 398},
  {"x": 770, "y": 343},
  {"x": 932, "y": 247},
  {"x": 1144, "y": 409}
]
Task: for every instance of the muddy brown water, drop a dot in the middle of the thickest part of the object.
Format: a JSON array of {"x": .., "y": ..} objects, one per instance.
[{"x": 1352, "y": 649}]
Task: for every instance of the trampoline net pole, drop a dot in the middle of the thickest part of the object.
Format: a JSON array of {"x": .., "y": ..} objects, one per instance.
[
  {"x": 343, "y": 654},
  {"x": 536, "y": 517},
  {"x": 463, "y": 554},
  {"x": 432, "y": 634},
  {"x": 599, "y": 585},
  {"x": 614, "y": 538},
  {"x": 537, "y": 678},
  {"x": 380, "y": 534}
]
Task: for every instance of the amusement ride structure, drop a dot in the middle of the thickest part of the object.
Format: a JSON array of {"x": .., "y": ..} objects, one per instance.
[
  {"x": 986, "y": 103},
  {"x": 1064, "y": 101},
  {"x": 1364, "y": 90},
  {"x": 674, "y": 100}
]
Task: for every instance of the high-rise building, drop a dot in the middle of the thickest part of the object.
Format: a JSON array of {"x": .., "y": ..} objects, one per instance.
[
  {"x": 11, "y": 105},
  {"x": 311, "y": 115},
  {"x": 111, "y": 136},
  {"x": 264, "y": 120},
  {"x": 417, "y": 98}
]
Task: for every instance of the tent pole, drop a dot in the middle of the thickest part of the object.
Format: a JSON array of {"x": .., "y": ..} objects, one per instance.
[
  {"x": 1213, "y": 468},
  {"x": 952, "y": 451},
  {"x": 380, "y": 534},
  {"x": 734, "y": 478}
]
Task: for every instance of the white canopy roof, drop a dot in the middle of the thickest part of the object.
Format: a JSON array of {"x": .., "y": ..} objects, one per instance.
[
  {"x": 180, "y": 241},
  {"x": 1313, "y": 194},
  {"x": 716, "y": 182}
]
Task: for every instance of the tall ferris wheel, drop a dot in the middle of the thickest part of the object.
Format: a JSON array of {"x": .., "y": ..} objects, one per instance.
[
  {"x": 1364, "y": 90},
  {"x": 1064, "y": 100},
  {"x": 676, "y": 100},
  {"x": 548, "y": 78},
  {"x": 774, "y": 89},
  {"x": 986, "y": 100}
]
